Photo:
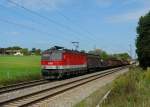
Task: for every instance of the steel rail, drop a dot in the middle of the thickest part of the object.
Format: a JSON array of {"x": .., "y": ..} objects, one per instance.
[
  {"x": 47, "y": 93},
  {"x": 22, "y": 85}
]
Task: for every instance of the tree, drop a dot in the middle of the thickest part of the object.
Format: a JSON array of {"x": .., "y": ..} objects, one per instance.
[
  {"x": 104, "y": 55},
  {"x": 2, "y": 51},
  {"x": 38, "y": 52},
  {"x": 143, "y": 41},
  {"x": 99, "y": 52},
  {"x": 25, "y": 51},
  {"x": 122, "y": 56},
  {"x": 33, "y": 50},
  {"x": 83, "y": 51},
  {"x": 95, "y": 51},
  {"x": 14, "y": 48}
]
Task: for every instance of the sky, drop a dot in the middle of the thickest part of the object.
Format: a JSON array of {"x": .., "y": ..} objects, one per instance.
[{"x": 106, "y": 24}]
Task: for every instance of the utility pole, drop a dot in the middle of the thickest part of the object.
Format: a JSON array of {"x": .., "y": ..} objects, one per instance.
[
  {"x": 75, "y": 44},
  {"x": 94, "y": 47},
  {"x": 130, "y": 50}
]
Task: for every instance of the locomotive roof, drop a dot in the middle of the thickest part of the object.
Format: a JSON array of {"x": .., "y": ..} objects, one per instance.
[{"x": 62, "y": 49}]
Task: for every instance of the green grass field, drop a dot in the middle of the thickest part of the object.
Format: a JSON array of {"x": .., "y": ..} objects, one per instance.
[{"x": 15, "y": 69}]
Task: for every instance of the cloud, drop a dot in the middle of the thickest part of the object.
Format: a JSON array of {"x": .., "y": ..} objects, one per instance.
[
  {"x": 128, "y": 16},
  {"x": 109, "y": 3},
  {"x": 133, "y": 14},
  {"x": 104, "y": 3},
  {"x": 41, "y": 4},
  {"x": 14, "y": 33},
  {"x": 128, "y": 2}
]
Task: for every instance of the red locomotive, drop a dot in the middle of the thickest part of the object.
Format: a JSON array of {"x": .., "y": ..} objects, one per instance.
[{"x": 58, "y": 62}]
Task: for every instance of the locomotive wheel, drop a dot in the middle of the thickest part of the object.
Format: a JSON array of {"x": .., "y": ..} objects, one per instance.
[{"x": 60, "y": 76}]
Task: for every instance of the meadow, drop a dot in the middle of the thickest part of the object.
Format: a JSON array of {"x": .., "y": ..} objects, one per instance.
[{"x": 14, "y": 69}]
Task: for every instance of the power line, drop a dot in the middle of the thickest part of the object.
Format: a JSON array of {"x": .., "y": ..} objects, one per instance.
[
  {"x": 24, "y": 26},
  {"x": 68, "y": 19},
  {"x": 32, "y": 29},
  {"x": 77, "y": 25},
  {"x": 46, "y": 18},
  {"x": 42, "y": 16},
  {"x": 130, "y": 50},
  {"x": 34, "y": 21}
]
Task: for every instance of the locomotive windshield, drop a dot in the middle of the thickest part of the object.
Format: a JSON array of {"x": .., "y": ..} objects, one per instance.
[{"x": 52, "y": 56}]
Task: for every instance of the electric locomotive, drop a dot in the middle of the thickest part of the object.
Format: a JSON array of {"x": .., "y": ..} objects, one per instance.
[{"x": 57, "y": 62}]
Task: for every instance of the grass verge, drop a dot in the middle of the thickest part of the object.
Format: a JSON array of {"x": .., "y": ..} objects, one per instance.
[
  {"x": 14, "y": 69},
  {"x": 128, "y": 90},
  {"x": 93, "y": 99}
]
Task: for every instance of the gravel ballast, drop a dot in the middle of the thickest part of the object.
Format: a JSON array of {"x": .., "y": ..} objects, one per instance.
[{"x": 74, "y": 96}]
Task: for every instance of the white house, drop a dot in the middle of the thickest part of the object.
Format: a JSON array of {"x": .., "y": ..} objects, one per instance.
[{"x": 18, "y": 53}]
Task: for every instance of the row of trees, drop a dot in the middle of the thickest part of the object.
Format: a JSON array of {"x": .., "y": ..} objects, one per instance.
[
  {"x": 104, "y": 55},
  {"x": 24, "y": 51},
  {"x": 34, "y": 51}
]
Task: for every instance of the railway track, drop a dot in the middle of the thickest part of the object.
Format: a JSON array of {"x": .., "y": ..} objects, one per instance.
[
  {"x": 36, "y": 97},
  {"x": 22, "y": 85}
]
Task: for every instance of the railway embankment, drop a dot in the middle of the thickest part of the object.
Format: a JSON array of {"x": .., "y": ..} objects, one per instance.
[
  {"x": 128, "y": 90},
  {"x": 77, "y": 94},
  {"x": 65, "y": 93}
]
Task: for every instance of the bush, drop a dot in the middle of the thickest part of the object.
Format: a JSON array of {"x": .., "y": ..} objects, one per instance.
[
  {"x": 147, "y": 75},
  {"x": 130, "y": 89},
  {"x": 126, "y": 84}
]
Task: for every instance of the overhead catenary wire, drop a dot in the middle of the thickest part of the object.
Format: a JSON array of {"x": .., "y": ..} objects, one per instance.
[
  {"x": 78, "y": 25},
  {"x": 42, "y": 16},
  {"x": 33, "y": 21},
  {"x": 48, "y": 19},
  {"x": 32, "y": 29},
  {"x": 54, "y": 39},
  {"x": 25, "y": 26}
]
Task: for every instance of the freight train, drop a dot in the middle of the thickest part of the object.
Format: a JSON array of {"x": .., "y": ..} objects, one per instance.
[{"x": 58, "y": 62}]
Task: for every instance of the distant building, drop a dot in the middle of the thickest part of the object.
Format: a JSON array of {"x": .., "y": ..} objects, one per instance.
[
  {"x": 18, "y": 53},
  {"x": 4, "y": 51}
]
